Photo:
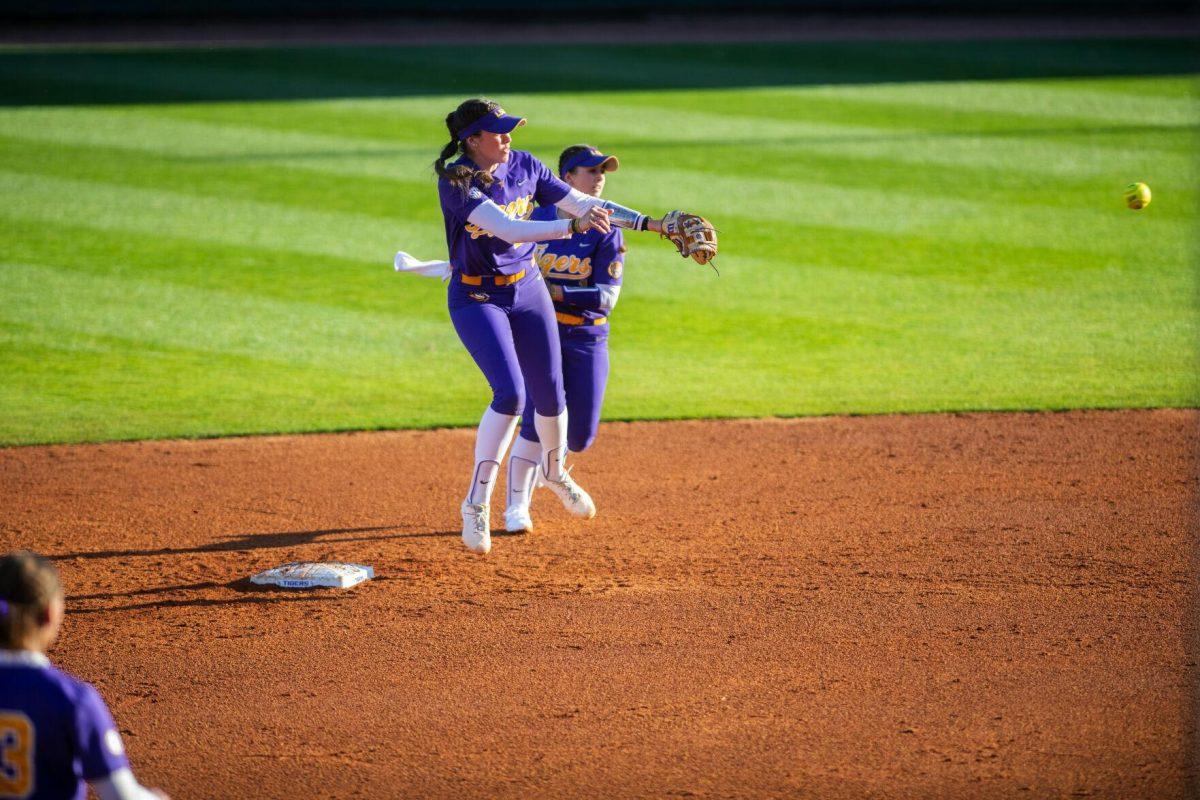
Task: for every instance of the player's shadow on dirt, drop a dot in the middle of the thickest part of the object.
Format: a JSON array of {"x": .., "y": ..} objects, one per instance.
[
  {"x": 246, "y": 593},
  {"x": 275, "y": 597},
  {"x": 102, "y": 75},
  {"x": 259, "y": 541}
]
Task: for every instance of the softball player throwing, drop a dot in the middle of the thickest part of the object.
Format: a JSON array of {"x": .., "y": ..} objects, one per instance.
[
  {"x": 498, "y": 301},
  {"x": 55, "y": 731},
  {"x": 583, "y": 275}
]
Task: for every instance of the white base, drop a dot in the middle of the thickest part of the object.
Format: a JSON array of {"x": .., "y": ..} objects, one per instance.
[{"x": 308, "y": 574}]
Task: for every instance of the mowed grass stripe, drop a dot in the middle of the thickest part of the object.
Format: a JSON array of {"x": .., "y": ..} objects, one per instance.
[
  {"x": 749, "y": 283},
  {"x": 156, "y": 131},
  {"x": 95, "y": 390},
  {"x": 212, "y": 219},
  {"x": 1186, "y": 86},
  {"x": 826, "y": 353},
  {"x": 162, "y": 315},
  {"x": 812, "y": 112},
  {"x": 842, "y": 294},
  {"x": 153, "y": 134},
  {"x": 276, "y": 180},
  {"x": 913, "y": 212},
  {"x": 752, "y": 282},
  {"x": 358, "y": 236},
  {"x": 747, "y": 286},
  {"x": 946, "y": 278},
  {"x": 258, "y": 271},
  {"x": 1011, "y": 352},
  {"x": 836, "y": 380},
  {"x": 1047, "y": 146},
  {"x": 976, "y": 182},
  {"x": 413, "y": 197},
  {"x": 1059, "y": 100},
  {"x": 657, "y": 175},
  {"x": 266, "y": 181},
  {"x": 828, "y": 110},
  {"x": 207, "y": 156}
]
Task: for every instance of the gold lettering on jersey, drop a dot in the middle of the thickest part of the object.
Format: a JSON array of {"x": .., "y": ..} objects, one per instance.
[
  {"x": 571, "y": 268},
  {"x": 521, "y": 208}
]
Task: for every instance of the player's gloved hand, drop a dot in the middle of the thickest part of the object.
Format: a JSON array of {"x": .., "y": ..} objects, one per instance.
[
  {"x": 595, "y": 217},
  {"x": 692, "y": 235}
]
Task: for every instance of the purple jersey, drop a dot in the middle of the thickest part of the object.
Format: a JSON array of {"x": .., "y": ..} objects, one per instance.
[
  {"x": 584, "y": 261},
  {"x": 518, "y": 184},
  {"x": 55, "y": 731}
]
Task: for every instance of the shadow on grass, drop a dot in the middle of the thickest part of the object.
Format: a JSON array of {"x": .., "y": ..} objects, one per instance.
[{"x": 180, "y": 75}]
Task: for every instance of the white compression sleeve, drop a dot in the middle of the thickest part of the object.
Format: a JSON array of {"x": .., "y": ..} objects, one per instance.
[
  {"x": 576, "y": 203},
  {"x": 522, "y": 466},
  {"x": 403, "y": 262},
  {"x": 552, "y": 431},
  {"x": 121, "y": 785},
  {"x": 491, "y": 441},
  {"x": 492, "y": 219},
  {"x": 608, "y": 297}
]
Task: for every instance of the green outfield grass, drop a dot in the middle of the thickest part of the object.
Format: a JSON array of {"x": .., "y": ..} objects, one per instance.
[{"x": 208, "y": 268}]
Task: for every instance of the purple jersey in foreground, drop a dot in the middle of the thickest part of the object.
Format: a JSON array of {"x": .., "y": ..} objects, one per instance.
[
  {"x": 55, "y": 731},
  {"x": 519, "y": 183}
]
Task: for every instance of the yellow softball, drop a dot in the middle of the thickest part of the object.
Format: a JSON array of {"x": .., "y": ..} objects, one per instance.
[{"x": 1137, "y": 195}]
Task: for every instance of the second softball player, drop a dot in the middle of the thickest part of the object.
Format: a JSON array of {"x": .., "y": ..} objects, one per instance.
[{"x": 583, "y": 275}]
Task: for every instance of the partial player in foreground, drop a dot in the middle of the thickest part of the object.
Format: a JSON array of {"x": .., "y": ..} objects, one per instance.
[
  {"x": 498, "y": 302},
  {"x": 583, "y": 275},
  {"x": 55, "y": 731}
]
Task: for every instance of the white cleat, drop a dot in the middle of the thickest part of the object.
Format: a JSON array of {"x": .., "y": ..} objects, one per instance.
[
  {"x": 517, "y": 519},
  {"x": 574, "y": 499},
  {"x": 477, "y": 530}
]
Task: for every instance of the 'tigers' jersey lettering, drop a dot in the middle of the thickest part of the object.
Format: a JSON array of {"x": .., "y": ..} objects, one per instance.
[
  {"x": 570, "y": 268},
  {"x": 521, "y": 208}
]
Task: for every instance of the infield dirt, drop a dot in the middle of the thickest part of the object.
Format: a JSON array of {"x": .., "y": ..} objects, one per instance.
[{"x": 962, "y": 605}]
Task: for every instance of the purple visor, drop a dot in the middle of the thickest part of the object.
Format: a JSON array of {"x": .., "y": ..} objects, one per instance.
[
  {"x": 493, "y": 122},
  {"x": 591, "y": 158}
]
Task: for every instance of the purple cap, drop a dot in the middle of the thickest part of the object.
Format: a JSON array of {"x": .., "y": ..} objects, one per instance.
[
  {"x": 495, "y": 121},
  {"x": 590, "y": 158}
]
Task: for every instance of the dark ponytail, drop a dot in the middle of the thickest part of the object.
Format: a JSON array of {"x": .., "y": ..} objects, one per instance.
[
  {"x": 28, "y": 585},
  {"x": 462, "y": 176}
]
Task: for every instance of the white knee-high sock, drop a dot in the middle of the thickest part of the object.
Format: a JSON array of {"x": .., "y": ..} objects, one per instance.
[
  {"x": 495, "y": 432},
  {"x": 553, "y": 433},
  {"x": 522, "y": 467}
]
